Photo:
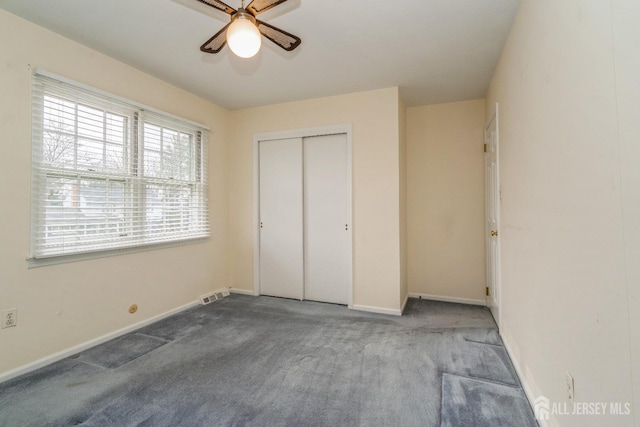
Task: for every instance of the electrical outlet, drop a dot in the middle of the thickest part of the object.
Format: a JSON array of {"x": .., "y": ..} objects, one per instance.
[
  {"x": 9, "y": 318},
  {"x": 570, "y": 389}
]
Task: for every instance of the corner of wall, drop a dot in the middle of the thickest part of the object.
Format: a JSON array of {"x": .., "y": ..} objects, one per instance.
[{"x": 402, "y": 147}]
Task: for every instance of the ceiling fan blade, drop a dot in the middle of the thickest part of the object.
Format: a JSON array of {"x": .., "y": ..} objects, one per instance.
[
  {"x": 217, "y": 4},
  {"x": 285, "y": 40},
  {"x": 217, "y": 42},
  {"x": 258, "y": 6}
]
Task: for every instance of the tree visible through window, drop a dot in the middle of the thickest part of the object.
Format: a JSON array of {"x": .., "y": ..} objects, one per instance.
[{"x": 109, "y": 175}]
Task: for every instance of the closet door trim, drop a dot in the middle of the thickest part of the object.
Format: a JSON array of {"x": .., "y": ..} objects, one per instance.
[{"x": 301, "y": 133}]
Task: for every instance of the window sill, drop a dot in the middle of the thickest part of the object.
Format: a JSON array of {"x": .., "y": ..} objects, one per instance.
[{"x": 63, "y": 259}]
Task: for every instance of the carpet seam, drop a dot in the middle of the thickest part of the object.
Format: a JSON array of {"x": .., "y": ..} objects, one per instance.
[
  {"x": 488, "y": 381},
  {"x": 484, "y": 343},
  {"x": 162, "y": 342},
  {"x": 154, "y": 337},
  {"x": 92, "y": 364}
]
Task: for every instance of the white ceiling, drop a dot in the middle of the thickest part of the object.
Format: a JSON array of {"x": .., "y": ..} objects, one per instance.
[{"x": 434, "y": 50}]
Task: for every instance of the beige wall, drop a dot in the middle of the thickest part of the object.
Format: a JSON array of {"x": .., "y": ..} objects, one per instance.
[
  {"x": 376, "y": 185},
  {"x": 445, "y": 193},
  {"x": 567, "y": 85},
  {"x": 65, "y": 305}
]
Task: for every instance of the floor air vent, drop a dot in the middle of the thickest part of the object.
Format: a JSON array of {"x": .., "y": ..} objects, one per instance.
[{"x": 215, "y": 296}]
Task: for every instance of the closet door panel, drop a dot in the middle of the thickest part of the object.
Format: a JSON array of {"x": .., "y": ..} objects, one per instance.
[
  {"x": 281, "y": 218},
  {"x": 325, "y": 219}
]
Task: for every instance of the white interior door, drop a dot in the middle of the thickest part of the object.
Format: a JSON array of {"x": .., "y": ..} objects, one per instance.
[
  {"x": 281, "y": 230},
  {"x": 326, "y": 224},
  {"x": 492, "y": 203}
]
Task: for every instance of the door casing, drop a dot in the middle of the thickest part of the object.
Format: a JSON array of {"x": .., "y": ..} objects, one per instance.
[
  {"x": 492, "y": 214},
  {"x": 302, "y": 133}
]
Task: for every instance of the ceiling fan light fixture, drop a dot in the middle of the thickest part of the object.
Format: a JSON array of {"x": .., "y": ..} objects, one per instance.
[
  {"x": 243, "y": 36},
  {"x": 244, "y": 33}
]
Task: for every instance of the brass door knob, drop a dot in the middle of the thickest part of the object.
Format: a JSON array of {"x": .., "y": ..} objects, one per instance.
[{"x": 494, "y": 233}]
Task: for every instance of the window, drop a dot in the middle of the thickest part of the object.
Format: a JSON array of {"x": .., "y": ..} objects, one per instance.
[{"x": 107, "y": 174}]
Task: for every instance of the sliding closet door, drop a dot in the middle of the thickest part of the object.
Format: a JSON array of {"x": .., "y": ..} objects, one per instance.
[
  {"x": 326, "y": 221},
  {"x": 281, "y": 240}
]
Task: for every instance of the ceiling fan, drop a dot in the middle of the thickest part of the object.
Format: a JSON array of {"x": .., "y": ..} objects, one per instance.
[{"x": 243, "y": 32}]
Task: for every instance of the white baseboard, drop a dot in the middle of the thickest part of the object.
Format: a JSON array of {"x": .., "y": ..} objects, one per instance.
[
  {"x": 404, "y": 304},
  {"x": 242, "y": 291},
  {"x": 449, "y": 299},
  {"x": 379, "y": 310},
  {"x": 5, "y": 376}
]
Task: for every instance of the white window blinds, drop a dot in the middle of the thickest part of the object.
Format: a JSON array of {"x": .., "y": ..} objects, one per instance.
[{"x": 107, "y": 174}]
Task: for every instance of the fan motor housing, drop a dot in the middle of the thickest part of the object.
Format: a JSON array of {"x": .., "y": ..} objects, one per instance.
[{"x": 243, "y": 14}]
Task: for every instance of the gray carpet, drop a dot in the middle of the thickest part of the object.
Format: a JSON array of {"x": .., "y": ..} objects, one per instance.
[
  {"x": 471, "y": 402},
  {"x": 273, "y": 362},
  {"x": 120, "y": 351}
]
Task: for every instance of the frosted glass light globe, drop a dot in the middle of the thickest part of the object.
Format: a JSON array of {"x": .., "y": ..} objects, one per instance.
[{"x": 243, "y": 38}]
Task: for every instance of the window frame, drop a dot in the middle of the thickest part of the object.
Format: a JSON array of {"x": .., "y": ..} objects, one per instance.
[{"x": 193, "y": 229}]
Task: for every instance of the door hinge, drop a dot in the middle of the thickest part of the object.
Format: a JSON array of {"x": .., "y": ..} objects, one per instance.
[
  {"x": 487, "y": 291},
  {"x": 485, "y": 148}
]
